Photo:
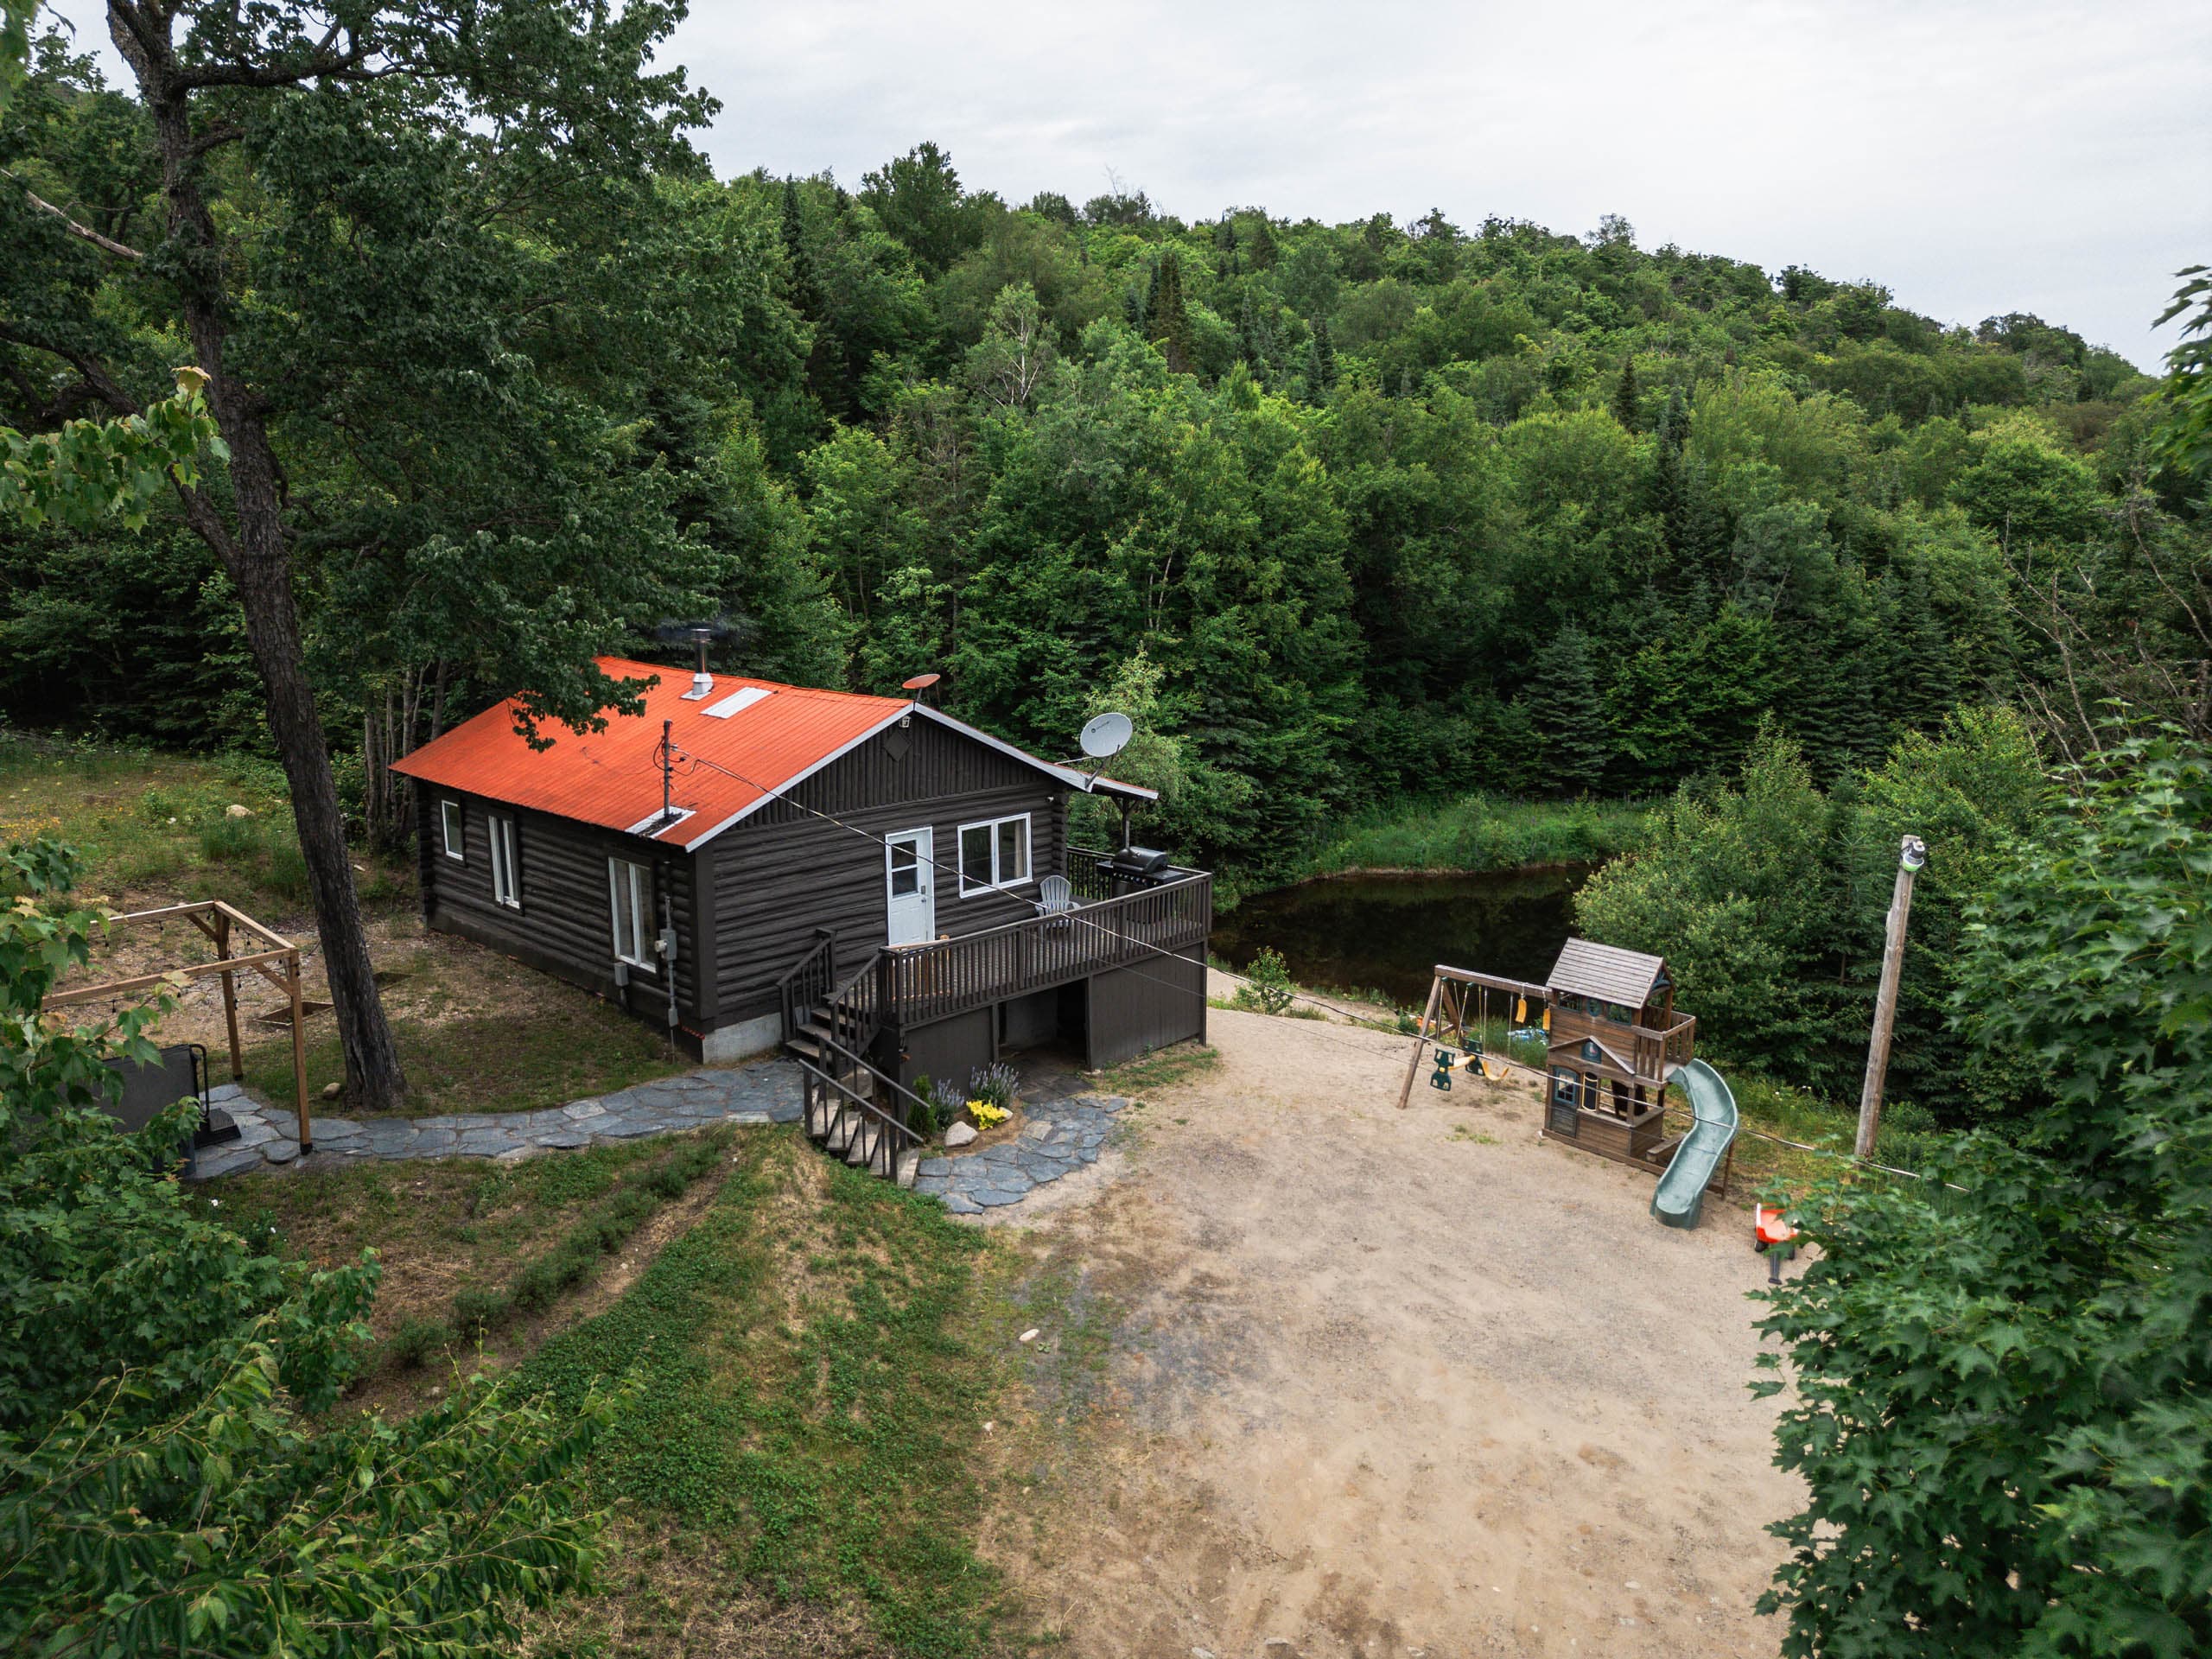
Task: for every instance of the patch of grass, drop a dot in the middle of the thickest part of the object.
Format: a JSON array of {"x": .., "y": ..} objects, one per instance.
[
  {"x": 160, "y": 824},
  {"x": 1295, "y": 1011},
  {"x": 637, "y": 1195},
  {"x": 1477, "y": 833},
  {"x": 1178, "y": 1063},
  {"x": 485, "y": 1062},
  {"x": 437, "y": 1226},
  {"x": 1471, "y": 1136},
  {"x": 815, "y": 1377}
]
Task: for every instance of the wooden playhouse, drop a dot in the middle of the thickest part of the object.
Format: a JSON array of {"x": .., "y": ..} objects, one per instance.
[{"x": 1614, "y": 1043}]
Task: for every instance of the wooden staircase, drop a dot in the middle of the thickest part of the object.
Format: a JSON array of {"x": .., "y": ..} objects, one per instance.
[{"x": 854, "y": 1111}]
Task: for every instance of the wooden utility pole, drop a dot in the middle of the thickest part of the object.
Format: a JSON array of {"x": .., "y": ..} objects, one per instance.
[{"x": 1911, "y": 855}]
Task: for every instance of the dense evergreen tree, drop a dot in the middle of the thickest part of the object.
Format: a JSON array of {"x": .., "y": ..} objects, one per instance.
[
  {"x": 1628, "y": 399},
  {"x": 1320, "y": 361},
  {"x": 1568, "y": 710},
  {"x": 1167, "y": 321}
]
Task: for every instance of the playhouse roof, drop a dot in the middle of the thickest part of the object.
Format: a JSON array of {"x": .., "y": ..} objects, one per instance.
[
  {"x": 1607, "y": 972},
  {"x": 737, "y": 748}
]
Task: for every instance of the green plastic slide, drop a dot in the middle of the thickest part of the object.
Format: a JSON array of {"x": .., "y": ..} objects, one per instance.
[{"x": 1680, "y": 1197}]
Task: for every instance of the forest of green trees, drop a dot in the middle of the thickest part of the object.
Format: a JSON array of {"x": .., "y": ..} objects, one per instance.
[
  {"x": 1386, "y": 509},
  {"x": 493, "y": 373}
]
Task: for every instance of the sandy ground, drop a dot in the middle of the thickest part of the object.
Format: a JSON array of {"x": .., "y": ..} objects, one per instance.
[{"x": 1385, "y": 1382}]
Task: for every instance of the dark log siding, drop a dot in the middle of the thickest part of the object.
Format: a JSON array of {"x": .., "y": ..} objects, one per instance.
[
  {"x": 757, "y": 894},
  {"x": 565, "y": 924},
  {"x": 784, "y": 872}
]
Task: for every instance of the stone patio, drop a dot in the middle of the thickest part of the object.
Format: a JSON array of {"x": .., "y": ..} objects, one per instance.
[{"x": 1059, "y": 1136}]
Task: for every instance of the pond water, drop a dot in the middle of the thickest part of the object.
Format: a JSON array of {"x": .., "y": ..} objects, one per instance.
[{"x": 1388, "y": 933}]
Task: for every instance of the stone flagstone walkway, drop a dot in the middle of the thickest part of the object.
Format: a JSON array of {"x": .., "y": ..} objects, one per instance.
[
  {"x": 767, "y": 1092},
  {"x": 1058, "y": 1138},
  {"x": 1058, "y": 1135}
]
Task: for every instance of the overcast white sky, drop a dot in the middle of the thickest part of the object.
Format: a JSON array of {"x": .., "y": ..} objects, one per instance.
[
  {"x": 1977, "y": 155},
  {"x": 1997, "y": 155}
]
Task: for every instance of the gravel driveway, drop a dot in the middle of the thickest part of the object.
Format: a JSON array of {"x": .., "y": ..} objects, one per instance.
[{"x": 1383, "y": 1383}]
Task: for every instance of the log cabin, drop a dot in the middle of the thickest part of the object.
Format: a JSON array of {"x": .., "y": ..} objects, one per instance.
[{"x": 749, "y": 864}]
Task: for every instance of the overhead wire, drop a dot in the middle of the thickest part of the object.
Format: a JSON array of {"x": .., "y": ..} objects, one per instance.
[
  {"x": 953, "y": 870},
  {"x": 1327, "y": 1009}
]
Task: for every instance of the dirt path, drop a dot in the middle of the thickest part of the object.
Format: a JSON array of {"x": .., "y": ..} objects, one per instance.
[{"x": 1389, "y": 1383}]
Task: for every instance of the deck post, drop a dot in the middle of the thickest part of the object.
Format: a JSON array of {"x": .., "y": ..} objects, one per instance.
[
  {"x": 1912, "y": 853},
  {"x": 1421, "y": 1043}
]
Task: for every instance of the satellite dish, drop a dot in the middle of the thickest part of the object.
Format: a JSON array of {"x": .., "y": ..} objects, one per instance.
[{"x": 1107, "y": 734}]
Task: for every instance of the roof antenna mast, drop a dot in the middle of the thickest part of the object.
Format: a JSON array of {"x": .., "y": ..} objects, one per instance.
[{"x": 667, "y": 770}]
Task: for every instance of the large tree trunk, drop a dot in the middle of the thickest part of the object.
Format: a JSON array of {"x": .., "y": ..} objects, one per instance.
[
  {"x": 261, "y": 568},
  {"x": 257, "y": 554}
]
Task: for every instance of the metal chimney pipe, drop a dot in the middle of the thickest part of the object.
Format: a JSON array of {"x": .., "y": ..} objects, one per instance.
[{"x": 703, "y": 683}]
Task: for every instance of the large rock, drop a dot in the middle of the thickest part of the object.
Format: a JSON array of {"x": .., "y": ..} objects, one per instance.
[{"x": 959, "y": 1134}]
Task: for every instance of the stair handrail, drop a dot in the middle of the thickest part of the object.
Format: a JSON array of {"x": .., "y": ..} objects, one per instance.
[
  {"x": 866, "y": 1020},
  {"x": 821, "y": 956},
  {"x": 872, "y": 1120},
  {"x": 880, "y": 1075}
]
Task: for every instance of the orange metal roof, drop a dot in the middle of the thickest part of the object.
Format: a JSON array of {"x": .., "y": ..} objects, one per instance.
[{"x": 724, "y": 766}]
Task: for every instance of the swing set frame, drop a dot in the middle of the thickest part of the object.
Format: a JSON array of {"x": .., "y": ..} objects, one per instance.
[{"x": 1454, "y": 997}]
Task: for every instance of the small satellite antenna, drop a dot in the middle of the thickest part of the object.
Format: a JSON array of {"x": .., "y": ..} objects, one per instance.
[{"x": 1106, "y": 735}]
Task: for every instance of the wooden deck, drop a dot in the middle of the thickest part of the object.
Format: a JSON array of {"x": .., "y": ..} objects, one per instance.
[
  {"x": 899, "y": 987},
  {"x": 926, "y": 982}
]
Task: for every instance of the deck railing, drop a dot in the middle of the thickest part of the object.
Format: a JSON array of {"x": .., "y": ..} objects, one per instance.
[
  {"x": 810, "y": 982},
  {"x": 917, "y": 984},
  {"x": 1659, "y": 1052}
]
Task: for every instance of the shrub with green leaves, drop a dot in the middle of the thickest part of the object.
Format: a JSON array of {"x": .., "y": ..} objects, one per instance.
[
  {"x": 2002, "y": 1399},
  {"x": 161, "y": 1488},
  {"x": 1267, "y": 986}
]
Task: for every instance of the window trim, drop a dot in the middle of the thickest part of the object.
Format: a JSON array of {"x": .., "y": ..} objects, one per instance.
[
  {"x": 506, "y": 859},
  {"x": 453, "y": 828},
  {"x": 641, "y": 928},
  {"x": 995, "y": 884}
]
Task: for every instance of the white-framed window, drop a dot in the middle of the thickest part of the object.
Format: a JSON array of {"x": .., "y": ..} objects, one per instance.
[
  {"x": 630, "y": 893},
  {"x": 449, "y": 824},
  {"x": 507, "y": 873},
  {"x": 993, "y": 854}
]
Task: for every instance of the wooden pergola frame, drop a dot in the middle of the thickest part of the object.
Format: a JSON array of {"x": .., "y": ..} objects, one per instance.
[{"x": 215, "y": 919}]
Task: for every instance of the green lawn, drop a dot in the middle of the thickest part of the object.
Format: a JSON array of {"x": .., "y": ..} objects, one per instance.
[
  {"x": 486, "y": 1062},
  {"x": 154, "y": 824},
  {"x": 819, "y": 1353},
  {"x": 1479, "y": 833},
  {"x": 806, "y": 1464},
  {"x": 470, "y": 1250}
]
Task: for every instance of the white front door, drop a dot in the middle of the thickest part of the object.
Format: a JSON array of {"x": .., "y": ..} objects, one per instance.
[{"x": 910, "y": 887}]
